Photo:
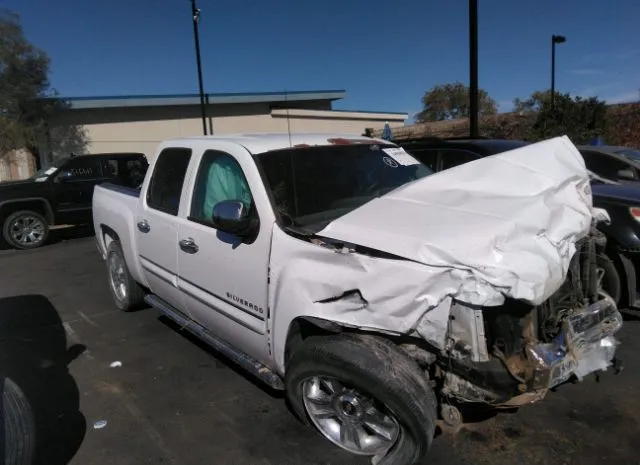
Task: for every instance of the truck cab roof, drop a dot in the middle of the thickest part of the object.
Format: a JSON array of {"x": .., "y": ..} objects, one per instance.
[{"x": 260, "y": 143}]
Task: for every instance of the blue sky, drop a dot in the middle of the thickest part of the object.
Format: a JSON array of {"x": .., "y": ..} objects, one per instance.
[{"x": 385, "y": 56}]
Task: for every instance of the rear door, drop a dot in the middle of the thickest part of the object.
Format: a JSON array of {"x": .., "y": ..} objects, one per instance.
[
  {"x": 73, "y": 186},
  {"x": 156, "y": 224}
]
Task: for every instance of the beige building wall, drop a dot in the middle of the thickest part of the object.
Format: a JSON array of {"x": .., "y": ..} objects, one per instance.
[{"x": 133, "y": 130}]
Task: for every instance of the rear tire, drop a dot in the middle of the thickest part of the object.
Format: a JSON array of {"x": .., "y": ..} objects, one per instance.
[
  {"x": 127, "y": 294},
  {"x": 25, "y": 229},
  {"x": 375, "y": 369},
  {"x": 18, "y": 433}
]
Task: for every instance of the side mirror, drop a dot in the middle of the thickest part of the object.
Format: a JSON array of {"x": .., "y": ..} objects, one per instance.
[
  {"x": 64, "y": 176},
  {"x": 626, "y": 174},
  {"x": 231, "y": 216}
]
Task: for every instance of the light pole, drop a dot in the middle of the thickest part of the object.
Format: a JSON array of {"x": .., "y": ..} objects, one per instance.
[
  {"x": 195, "y": 13},
  {"x": 473, "y": 68},
  {"x": 554, "y": 40}
]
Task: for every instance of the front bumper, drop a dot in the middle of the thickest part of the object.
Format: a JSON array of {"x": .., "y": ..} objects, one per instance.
[{"x": 585, "y": 345}]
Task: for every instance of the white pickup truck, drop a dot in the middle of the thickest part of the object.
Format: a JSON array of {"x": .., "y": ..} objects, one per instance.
[{"x": 380, "y": 296}]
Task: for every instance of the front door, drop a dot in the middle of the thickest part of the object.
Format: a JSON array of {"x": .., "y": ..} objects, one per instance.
[
  {"x": 73, "y": 186},
  {"x": 156, "y": 225},
  {"x": 224, "y": 279}
]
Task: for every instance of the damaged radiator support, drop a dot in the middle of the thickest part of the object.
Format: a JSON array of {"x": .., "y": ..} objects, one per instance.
[{"x": 534, "y": 348}]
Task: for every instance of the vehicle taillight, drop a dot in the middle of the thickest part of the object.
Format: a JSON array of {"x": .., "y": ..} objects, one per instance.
[{"x": 635, "y": 212}]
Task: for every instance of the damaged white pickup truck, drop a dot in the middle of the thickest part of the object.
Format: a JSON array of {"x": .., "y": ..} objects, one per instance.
[{"x": 377, "y": 294}]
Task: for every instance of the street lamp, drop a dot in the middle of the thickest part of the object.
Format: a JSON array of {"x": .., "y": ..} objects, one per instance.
[
  {"x": 554, "y": 40},
  {"x": 473, "y": 68},
  {"x": 195, "y": 14}
]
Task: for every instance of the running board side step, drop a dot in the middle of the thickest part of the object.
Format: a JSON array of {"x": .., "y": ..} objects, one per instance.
[{"x": 260, "y": 371}]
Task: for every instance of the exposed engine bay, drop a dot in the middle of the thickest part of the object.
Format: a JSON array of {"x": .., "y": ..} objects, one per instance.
[{"x": 527, "y": 349}]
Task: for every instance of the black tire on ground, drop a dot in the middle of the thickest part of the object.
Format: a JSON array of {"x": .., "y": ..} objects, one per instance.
[
  {"x": 377, "y": 368},
  {"x": 134, "y": 297},
  {"x": 9, "y": 220},
  {"x": 18, "y": 431},
  {"x": 611, "y": 283}
]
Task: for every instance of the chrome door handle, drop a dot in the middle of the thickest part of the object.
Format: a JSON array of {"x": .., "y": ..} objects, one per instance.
[
  {"x": 143, "y": 226},
  {"x": 188, "y": 245}
]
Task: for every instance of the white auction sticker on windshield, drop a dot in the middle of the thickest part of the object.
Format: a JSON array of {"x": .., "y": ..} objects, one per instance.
[{"x": 401, "y": 156}]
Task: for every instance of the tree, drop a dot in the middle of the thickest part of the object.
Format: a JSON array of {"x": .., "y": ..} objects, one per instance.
[
  {"x": 534, "y": 103},
  {"x": 582, "y": 119},
  {"x": 26, "y": 98},
  {"x": 451, "y": 101}
]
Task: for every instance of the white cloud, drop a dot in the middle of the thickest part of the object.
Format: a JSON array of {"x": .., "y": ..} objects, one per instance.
[
  {"x": 624, "y": 97},
  {"x": 586, "y": 72},
  {"x": 620, "y": 55}
]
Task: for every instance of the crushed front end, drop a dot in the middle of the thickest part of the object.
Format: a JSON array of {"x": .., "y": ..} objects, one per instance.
[{"x": 512, "y": 355}]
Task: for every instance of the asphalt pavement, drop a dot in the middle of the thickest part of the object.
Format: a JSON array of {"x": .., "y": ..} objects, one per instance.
[{"x": 115, "y": 388}]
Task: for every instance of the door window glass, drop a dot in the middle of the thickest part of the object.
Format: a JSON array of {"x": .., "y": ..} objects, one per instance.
[
  {"x": 456, "y": 157},
  {"x": 166, "y": 183},
  {"x": 219, "y": 178},
  {"x": 81, "y": 168},
  {"x": 604, "y": 165},
  {"x": 428, "y": 157}
]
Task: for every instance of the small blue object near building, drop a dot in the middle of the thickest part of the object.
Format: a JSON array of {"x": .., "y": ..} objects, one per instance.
[
  {"x": 386, "y": 132},
  {"x": 597, "y": 141}
]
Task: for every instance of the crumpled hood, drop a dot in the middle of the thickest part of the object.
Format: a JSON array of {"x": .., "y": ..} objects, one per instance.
[{"x": 506, "y": 224}]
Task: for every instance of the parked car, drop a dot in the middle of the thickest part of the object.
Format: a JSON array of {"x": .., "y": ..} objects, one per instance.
[
  {"x": 620, "y": 273},
  {"x": 340, "y": 270},
  {"x": 617, "y": 264},
  {"x": 442, "y": 154},
  {"x": 61, "y": 194},
  {"x": 621, "y": 164}
]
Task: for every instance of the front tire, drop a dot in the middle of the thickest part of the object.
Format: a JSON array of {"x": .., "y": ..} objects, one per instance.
[
  {"x": 18, "y": 429},
  {"x": 25, "y": 229},
  {"x": 364, "y": 395},
  {"x": 125, "y": 291}
]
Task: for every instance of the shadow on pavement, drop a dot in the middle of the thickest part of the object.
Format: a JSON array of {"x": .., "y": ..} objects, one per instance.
[
  {"x": 630, "y": 314},
  {"x": 33, "y": 352},
  {"x": 220, "y": 358}
]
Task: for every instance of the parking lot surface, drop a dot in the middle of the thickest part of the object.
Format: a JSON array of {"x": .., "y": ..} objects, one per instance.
[{"x": 170, "y": 400}]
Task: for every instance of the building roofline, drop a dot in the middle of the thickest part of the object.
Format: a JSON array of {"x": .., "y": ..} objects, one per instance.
[
  {"x": 81, "y": 103},
  {"x": 399, "y": 113}
]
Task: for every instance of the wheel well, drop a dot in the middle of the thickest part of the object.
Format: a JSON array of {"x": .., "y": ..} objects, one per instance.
[
  {"x": 37, "y": 206},
  {"x": 109, "y": 235},
  {"x": 302, "y": 328}
]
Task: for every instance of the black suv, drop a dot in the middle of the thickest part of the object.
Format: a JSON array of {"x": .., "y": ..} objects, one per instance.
[
  {"x": 618, "y": 267},
  {"x": 62, "y": 194}
]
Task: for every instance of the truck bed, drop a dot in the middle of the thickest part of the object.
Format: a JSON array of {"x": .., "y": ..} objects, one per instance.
[{"x": 115, "y": 209}]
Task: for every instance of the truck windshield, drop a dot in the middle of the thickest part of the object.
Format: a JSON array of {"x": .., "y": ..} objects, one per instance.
[
  {"x": 313, "y": 186},
  {"x": 44, "y": 173}
]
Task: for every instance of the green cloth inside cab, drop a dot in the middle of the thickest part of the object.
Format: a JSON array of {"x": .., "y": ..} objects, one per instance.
[{"x": 224, "y": 181}]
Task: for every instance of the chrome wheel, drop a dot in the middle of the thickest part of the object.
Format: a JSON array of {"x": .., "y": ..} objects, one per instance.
[
  {"x": 349, "y": 418},
  {"x": 27, "y": 230},
  {"x": 118, "y": 276}
]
